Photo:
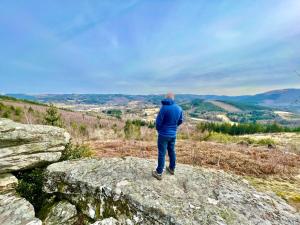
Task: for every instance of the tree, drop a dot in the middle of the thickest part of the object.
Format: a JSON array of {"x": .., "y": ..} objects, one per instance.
[
  {"x": 132, "y": 130},
  {"x": 53, "y": 117}
]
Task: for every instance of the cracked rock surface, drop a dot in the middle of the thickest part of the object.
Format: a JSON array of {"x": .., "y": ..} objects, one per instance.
[
  {"x": 124, "y": 189},
  {"x": 61, "y": 213},
  {"x": 24, "y": 146},
  {"x": 15, "y": 210}
]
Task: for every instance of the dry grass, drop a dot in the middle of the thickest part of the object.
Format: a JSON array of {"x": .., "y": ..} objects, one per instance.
[
  {"x": 242, "y": 160},
  {"x": 266, "y": 169},
  {"x": 73, "y": 121}
]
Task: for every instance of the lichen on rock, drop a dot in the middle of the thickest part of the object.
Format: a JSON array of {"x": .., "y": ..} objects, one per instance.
[
  {"x": 7, "y": 182},
  {"x": 24, "y": 146},
  {"x": 15, "y": 210},
  {"x": 107, "y": 221},
  {"x": 62, "y": 212},
  {"x": 125, "y": 190}
]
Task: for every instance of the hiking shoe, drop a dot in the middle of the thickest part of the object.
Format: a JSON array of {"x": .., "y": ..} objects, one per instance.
[
  {"x": 172, "y": 172},
  {"x": 156, "y": 175}
]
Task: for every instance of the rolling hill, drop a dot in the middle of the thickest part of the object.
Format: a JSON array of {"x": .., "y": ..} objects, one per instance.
[{"x": 285, "y": 99}]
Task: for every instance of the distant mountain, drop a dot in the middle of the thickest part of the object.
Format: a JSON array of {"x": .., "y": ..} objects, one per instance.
[{"x": 287, "y": 99}]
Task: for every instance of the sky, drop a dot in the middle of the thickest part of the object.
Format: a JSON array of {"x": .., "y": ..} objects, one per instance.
[{"x": 224, "y": 47}]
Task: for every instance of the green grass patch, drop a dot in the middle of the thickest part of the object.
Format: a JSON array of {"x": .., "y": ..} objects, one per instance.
[
  {"x": 289, "y": 190},
  {"x": 76, "y": 152},
  {"x": 226, "y": 139}
]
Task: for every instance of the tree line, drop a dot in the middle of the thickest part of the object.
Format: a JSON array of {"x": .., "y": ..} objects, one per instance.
[{"x": 245, "y": 128}]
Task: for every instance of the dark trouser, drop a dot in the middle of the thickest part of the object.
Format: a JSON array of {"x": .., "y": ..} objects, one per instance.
[{"x": 164, "y": 143}]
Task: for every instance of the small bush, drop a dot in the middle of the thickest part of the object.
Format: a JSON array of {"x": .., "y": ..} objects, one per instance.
[
  {"x": 83, "y": 130},
  {"x": 6, "y": 114},
  {"x": 132, "y": 130},
  {"x": 114, "y": 112},
  {"x": 18, "y": 111},
  {"x": 266, "y": 141},
  {"x": 219, "y": 137},
  {"x": 30, "y": 187},
  {"x": 30, "y": 109},
  {"x": 183, "y": 135},
  {"x": 76, "y": 152}
]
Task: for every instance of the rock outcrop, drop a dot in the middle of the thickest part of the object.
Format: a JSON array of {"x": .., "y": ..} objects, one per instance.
[
  {"x": 125, "y": 190},
  {"x": 24, "y": 146},
  {"x": 61, "y": 213},
  {"x": 8, "y": 182},
  {"x": 107, "y": 221},
  {"x": 15, "y": 210}
]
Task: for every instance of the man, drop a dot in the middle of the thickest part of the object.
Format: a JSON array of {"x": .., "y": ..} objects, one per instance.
[{"x": 168, "y": 119}]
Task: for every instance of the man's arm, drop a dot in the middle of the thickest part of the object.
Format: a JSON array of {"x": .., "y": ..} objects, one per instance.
[
  {"x": 180, "y": 118},
  {"x": 159, "y": 119}
]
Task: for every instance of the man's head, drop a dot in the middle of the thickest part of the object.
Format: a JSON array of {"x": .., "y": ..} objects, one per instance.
[{"x": 170, "y": 95}]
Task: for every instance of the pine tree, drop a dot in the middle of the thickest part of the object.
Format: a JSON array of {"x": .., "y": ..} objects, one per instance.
[{"x": 53, "y": 117}]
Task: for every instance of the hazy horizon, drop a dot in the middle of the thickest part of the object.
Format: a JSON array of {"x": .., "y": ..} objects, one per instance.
[
  {"x": 146, "y": 47},
  {"x": 15, "y": 93}
]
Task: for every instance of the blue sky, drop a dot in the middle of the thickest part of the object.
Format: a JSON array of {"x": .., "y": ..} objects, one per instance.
[{"x": 149, "y": 46}]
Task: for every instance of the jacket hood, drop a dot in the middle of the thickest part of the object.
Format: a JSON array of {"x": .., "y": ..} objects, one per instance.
[{"x": 167, "y": 101}]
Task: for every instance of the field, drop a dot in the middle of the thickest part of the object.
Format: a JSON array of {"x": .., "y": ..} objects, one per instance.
[{"x": 227, "y": 107}]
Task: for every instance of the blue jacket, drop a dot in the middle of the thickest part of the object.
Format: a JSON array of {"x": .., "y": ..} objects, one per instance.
[{"x": 169, "y": 118}]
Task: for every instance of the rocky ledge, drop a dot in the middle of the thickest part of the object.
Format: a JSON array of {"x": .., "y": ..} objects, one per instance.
[
  {"x": 124, "y": 189},
  {"x": 24, "y": 146}
]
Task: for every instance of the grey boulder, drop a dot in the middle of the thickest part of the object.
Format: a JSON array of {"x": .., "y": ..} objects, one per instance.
[
  {"x": 123, "y": 188},
  {"x": 7, "y": 182},
  {"x": 15, "y": 210},
  {"x": 63, "y": 213},
  {"x": 24, "y": 146},
  {"x": 107, "y": 221}
]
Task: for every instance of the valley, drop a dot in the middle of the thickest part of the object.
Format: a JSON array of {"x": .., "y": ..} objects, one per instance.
[{"x": 270, "y": 161}]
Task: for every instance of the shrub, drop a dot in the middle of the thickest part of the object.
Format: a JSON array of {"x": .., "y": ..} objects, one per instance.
[
  {"x": 30, "y": 187},
  {"x": 18, "y": 111},
  {"x": 266, "y": 141},
  {"x": 53, "y": 117},
  {"x": 76, "y": 152},
  {"x": 151, "y": 125},
  {"x": 114, "y": 112},
  {"x": 83, "y": 130},
  {"x": 6, "y": 114},
  {"x": 132, "y": 130},
  {"x": 30, "y": 109}
]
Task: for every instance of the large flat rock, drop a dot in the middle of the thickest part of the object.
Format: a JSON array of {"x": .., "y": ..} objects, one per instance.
[
  {"x": 24, "y": 146},
  {"x": 124, "y": 189},
  {"x": 15, "y": 210}
]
